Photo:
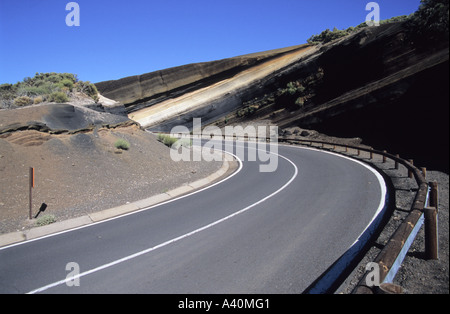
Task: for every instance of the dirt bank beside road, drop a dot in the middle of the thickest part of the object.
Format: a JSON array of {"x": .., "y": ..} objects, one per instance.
[{"x": 77, "y": 174}]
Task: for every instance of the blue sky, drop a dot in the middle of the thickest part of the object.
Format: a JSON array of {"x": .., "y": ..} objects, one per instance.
[{"x": 116, "y": 38}]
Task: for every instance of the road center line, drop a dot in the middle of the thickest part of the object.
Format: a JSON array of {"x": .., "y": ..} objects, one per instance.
[{"x": 130, "y": 257}]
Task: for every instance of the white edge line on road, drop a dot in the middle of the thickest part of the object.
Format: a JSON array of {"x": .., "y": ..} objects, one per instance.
[
  {"x": 383, "y": 191},
  {"x": 379, "y": 177},
  {"x": 380, "y": 208},
  {"x": 133, "y": 212},
  {"x": 127, "y": 258},
  {"x": 332, "y": 274}
]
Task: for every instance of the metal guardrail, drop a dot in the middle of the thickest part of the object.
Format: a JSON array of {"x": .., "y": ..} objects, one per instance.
[
  {"x": 423, "y": 210},
  {"x": 393, "y": 253}
]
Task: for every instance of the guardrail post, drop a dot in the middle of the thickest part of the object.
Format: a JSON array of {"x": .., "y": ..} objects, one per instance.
[
  {"x": 371, "y": 155},
  {"x": 410, "y": 173},
  {"x": 434, "y": 195},
  {"x": 389, "y": 288},
  {"x": 396, "y": 162},
  {"x": 431, "y": 233},
  {"x": 424, "y": 172},
  {"x": 384, "y": 157}
]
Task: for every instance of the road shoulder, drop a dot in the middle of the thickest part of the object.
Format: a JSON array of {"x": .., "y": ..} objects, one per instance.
[{"x": 229, "y": 166}]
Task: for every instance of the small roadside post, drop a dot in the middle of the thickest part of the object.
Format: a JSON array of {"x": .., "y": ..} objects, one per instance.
[{"x": 30, "y": 216}]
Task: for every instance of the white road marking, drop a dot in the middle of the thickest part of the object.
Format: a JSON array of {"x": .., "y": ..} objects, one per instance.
[
  {"x": 131, "y": 213},
  {"x": 127, "y": 258},
  {"x": 381, "y": 182}
]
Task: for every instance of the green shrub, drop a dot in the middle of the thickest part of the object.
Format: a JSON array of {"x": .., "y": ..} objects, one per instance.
[
  {"x": 33, "y": 91},
  {"x": 51, "y": 86},
  {"x": 295, "y": 87},
  {"x": 87, "y": 88},
  {"x": 185, "y": 142},
  {"x": 161, "y": 137},
  {"x": 66, "y": 83},
  {"x": 291, "y": 88},
  {"x": 58, "y": 97},
  {"x": 430, "y": 23},
  {"x": 45, "y": 220},
  {"x": 122, "y": 144},
  {"x": 23, "y": 101},
  {"x": 328, "y": 35},
  {"x": 167, "y": 140},
  {"x": 300, "y": 102},
  {"x": 38, "y": 100}
]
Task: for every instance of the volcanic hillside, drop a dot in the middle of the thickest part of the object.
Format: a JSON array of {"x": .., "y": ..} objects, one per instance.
[{"x": 382, "y": 84}]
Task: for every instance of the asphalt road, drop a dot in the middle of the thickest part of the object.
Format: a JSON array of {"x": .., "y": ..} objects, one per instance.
[{"x": 252, "y": 233}]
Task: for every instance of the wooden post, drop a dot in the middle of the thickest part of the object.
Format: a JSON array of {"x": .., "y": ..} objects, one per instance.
[
  {"x": 431, "y": 234},
  {"x": 384, "y": 157},
  {"x": 396, "y": 162},
  {"x": 31, "y": 175},
  {"x": 434, "y": 195},
  {"x": 424, "y": 172},
  {"x": 389, "y": 288},
  {"x": 410, "y": 173}
]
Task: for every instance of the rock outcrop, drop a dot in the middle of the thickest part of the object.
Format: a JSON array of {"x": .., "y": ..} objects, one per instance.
[
  {"x": 377, "y": 84},
  {"x": 58, "y": 118},
  {"x": 192, "y": 87}
]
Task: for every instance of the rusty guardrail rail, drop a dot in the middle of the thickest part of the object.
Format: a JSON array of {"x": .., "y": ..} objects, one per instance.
[{"x": 423, "y": 210}]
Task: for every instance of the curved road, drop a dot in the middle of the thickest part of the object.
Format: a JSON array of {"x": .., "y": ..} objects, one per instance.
[{"x": 251, "y": 233}]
